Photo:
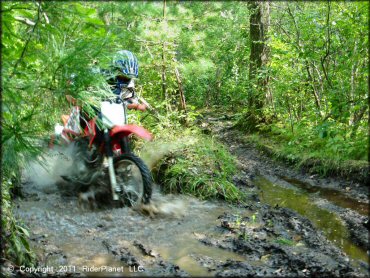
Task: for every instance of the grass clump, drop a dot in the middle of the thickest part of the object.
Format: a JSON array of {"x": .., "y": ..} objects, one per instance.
[
  {"x": 325, "y": 156},
  {"x": 198, "y": 165}
]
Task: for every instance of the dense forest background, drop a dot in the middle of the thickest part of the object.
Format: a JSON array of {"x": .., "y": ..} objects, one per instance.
[{"x": 294, "y": 75}]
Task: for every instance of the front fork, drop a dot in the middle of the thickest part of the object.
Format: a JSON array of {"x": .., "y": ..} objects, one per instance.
[
  {"x": 125, "y": 144},
  {"x": 112, "y": 174},
  {"x": 109, "y": 153}
]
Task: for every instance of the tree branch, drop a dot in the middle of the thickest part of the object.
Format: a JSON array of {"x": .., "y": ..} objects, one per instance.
[
  {"x": 27, "y": 42},
  {"x": 25, "y": 20},
  {"x": 327, "y": 52},
  {"x": 14, "y": 8}
]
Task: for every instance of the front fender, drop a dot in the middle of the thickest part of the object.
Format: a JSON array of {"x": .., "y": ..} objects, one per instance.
[{"x": 126, "y": 130}]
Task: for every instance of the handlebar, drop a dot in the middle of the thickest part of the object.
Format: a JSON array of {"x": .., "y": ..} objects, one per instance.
[
  {"x": 135, "y": 106},
  {"x": 115, "y": 99}
]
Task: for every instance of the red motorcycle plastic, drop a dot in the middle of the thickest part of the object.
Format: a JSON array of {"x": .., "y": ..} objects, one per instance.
[{"x": 103, "y": 157}]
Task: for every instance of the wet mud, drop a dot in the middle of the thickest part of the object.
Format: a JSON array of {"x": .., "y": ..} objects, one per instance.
[
  {"x": 181, "y": 236},
  {"x": 278, "y": 243},
  {"x": 338, "y": 208},
  {"x": 205, "y": 239}
]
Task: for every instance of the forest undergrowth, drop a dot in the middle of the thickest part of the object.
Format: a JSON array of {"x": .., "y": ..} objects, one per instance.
[
  {"x": 186, "y": 161},
  {"x": 303, "y": 73},
  {"x": 318, "y": 150}
]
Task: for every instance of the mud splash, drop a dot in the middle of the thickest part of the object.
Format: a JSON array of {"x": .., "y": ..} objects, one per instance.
[
  {"x": 45, "y": 172},
  {"x": 175, "y": 236},
  {"x": 109, "y": 242},
  {"x": 154, "y": 151},
  {"x": 302, "y": 202}
]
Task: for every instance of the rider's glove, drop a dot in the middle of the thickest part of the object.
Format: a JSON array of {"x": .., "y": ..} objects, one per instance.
[{"x": 137, "y": 106}]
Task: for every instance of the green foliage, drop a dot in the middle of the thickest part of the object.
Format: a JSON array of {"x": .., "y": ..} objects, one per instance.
[
  {"x": 199, "y": 166},
  {"x": 315, "y": 111},
  {"x": 284, "y": 241},
  {"x": 315, "y": 104},
  {"x": 212, "y": 56},
  {"x": 16, "y": 246},
  {"x": 335, "y": 153},
  {"x": 42, "y": 45}
]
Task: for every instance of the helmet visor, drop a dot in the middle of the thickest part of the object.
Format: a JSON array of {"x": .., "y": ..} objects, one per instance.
[{"x": 123, "y": 78}]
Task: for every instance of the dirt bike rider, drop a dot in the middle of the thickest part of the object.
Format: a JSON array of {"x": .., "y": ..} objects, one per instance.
[
  {"x": 120, "y": 76},
  {"x": 124, "y": 69}
]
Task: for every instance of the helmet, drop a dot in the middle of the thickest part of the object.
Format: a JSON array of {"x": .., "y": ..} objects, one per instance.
[{"x": 126, "y": 63}]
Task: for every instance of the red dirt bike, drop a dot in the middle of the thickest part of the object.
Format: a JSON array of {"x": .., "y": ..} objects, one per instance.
[{"x": 102, "y": 154}]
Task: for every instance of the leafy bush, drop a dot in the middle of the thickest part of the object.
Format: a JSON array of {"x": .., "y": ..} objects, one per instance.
[{"x": 15, "y": 244}]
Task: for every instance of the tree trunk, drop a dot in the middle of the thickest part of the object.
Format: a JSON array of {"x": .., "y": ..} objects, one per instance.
[
  {"x": 181, "y": 91},
  {"x": 357, "y": 117},
  {"x": 164, "y": 89},
  {"x": 311, "y": 81},
  {"x": 259, "y": 22}
]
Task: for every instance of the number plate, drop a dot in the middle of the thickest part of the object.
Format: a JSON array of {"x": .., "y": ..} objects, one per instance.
[{"x": 112, "y": 114}]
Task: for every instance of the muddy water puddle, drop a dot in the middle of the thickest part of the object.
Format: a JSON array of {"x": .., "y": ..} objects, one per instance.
[
  {"x": 79, "y": 256},
  {"x": 71, "y": 239},
  {"x": 179, "y": 245},
  {"x": 302, "y": 202},
  {"x": 331, "y": 195},
  {"x": 184, "y": 251},
  {"x": 66, "y": 236},
  {"x": 182, "y": 248}
]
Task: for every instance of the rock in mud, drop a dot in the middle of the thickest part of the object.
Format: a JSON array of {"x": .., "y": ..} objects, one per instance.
[
  {"x": 169, "y": 269},
  {"x": 124, "y": 253},
  {"x": 147, "y": 251},
  {"x": 206, "y": 262},
  {"x": 235, "y": 269},
  {"x": 243, "y": 180}
]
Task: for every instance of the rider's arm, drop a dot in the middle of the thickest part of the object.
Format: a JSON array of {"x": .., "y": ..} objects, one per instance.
[{"x": 133, "y": 102}]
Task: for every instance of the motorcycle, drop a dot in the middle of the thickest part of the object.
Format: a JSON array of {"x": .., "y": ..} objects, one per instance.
[{"x": 102, "y": 153}]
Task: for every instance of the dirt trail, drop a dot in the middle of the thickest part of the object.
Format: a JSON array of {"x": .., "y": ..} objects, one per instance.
[
  {"x": 338, "y": 207},
  {"x": 189, "y": 238}
]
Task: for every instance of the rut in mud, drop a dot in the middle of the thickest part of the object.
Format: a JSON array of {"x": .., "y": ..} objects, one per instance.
[
  {"x": 186, "y": 237},
  {"x": 339, "y": 208}
]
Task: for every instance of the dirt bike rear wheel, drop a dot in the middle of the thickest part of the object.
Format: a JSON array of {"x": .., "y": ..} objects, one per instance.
[{"x": 134, "y": 178}]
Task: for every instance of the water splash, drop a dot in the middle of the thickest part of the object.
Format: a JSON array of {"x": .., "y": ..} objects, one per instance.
[
  {"x": 164, "y": 206},
  {"x": 153, "y": 152},
  {"x": 46, "y": 171}
]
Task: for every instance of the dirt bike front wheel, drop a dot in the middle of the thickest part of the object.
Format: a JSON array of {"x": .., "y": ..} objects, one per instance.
[{"x": 134, "y": 179}]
